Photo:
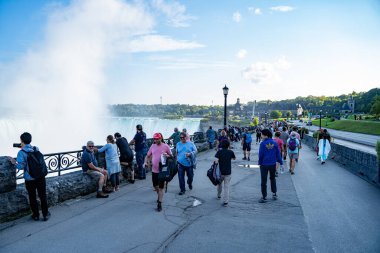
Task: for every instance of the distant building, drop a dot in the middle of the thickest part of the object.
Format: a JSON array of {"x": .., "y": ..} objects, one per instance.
[{"x": 349, "y": 106}]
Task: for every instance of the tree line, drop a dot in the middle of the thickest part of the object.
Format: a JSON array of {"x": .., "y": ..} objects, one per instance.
[{"x": 364, "y": 102}]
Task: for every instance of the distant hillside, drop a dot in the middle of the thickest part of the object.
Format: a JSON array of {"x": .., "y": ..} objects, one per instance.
[{"x": 363, "y": 103}]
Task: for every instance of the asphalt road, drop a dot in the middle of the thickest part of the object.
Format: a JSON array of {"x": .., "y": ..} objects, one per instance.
[{"x": 320, "y": 209}]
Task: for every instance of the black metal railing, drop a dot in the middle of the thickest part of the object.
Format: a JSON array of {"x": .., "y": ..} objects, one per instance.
[{"x": 64, "y": 161}]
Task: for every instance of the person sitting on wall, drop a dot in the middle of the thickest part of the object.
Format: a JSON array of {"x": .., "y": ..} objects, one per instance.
[{"x": 90, "y": 167}]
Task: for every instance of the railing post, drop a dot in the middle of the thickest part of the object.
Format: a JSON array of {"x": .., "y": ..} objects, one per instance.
[{"x": 59, "y": 164}]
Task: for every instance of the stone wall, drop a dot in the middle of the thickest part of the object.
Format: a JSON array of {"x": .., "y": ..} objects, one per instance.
[
  {"x": 359, "y": 162},
  {"x": 14, "y": 198}
]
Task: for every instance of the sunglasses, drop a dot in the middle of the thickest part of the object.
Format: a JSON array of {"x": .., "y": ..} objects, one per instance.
[
  {"x": 90, "y": 146},
  {"x": 182, "y": 137}
]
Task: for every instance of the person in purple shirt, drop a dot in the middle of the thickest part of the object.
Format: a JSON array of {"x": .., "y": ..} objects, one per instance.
[{"x": 269, "y": 154}]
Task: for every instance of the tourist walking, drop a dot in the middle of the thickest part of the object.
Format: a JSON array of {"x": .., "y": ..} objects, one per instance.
[
  {"x": 293, "y": 145},
  {"x": 223, "y": 137},
  {"x": 324, "y": 148},
  {"x": 140, "y": 150},
  {"x": 258, "y": 134},
  {"x": 211, "y": 136},
  {"x": 269, "y": 154},
  {"x": 90, "y": 167},
  {"x": 186, "y": 152},
  {"x": 126, "y": 156},
  {"x": 224, "y": 157},
  {"x": 284, "y": 137},
  {"x": 246, "y": 143},
  {"x": 298, "y": 136},
  {"x": 155, "y": 152},
  {"x": 32, "y": 185},
  {"x": 280, "y": 144},
  {"x": 112, "y": 161}
]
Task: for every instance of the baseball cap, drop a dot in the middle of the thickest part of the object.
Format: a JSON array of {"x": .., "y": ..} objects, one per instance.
[{"x": 157, "y": 136}]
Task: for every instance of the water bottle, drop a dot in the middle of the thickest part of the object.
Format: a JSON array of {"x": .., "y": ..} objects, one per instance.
[
  {"x": 282, "y": 170},
  {"x": 163, "y": 159}
]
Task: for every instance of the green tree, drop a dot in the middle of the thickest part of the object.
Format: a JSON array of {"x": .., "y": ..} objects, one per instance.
[
  {"x": 275, "y": 114},
  {"x": 375, "y": 109},
  {"x": 288, "y": 114}
]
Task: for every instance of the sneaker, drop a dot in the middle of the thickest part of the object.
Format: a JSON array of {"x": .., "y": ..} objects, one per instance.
[
  {"x": 47, "y": 216},
  {"x": 131, "y": 181},
  {"x": 262, "y": 200},
  {"x": 323, "y": 162},
  {"x": 225, "y": 204},
  {"x": 159, "y": 207},
  {"x": 244, "y": 158},
  {"x": 219, "y": 197},
  {"x": 249, "y": 159},
  {"x": 190, "y": 186},
  {"x": 117, "y": 188},
  {"x": 292, "y": 172},
  {"x": 296, "y": 160},
  {"x": 274, "y": 196},
  {"x": 181, "y": 193},
  {"x": 100, "y": 195}
]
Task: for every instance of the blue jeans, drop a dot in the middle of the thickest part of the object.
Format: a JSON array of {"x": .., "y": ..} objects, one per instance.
[
  {"x": 140, "y": 157},
  {"x": 181, "y": 176}
]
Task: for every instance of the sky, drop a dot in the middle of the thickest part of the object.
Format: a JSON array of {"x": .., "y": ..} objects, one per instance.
[{"x": 118, "y": 52}]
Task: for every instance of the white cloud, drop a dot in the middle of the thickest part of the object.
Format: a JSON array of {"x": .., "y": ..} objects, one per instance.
[
  {"x": 282, "y": 8},
  {"x": 282, "y": 63},
  {"x": 236, "y": 16},
  {"x": 265, "y": 72},
  {"x": 241, "y": 54},
  {"x": 156, "y": 43},
  {"x": 256, "y": 11},
  {"x": 169, "y": 62},
  {"x": 175, "y": 13}
]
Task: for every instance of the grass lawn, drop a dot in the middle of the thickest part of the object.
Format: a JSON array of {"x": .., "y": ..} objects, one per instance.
[{"x": 356, "y": 126}]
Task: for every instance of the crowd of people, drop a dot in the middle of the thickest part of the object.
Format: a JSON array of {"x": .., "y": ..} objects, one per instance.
[{"x": 276, "y": 141}]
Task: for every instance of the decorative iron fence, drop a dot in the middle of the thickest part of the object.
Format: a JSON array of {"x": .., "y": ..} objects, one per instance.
[{"x": 65, "y": 161}]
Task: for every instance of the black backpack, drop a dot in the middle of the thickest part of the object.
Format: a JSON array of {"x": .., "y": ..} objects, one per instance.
[
  {"x": 36, "y": 164},
  {"x": 168, "y": 171}
]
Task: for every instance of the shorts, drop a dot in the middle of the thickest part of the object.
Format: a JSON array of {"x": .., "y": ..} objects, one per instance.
[
  {"x": 157, "y": 182},
  {"x": 247, "y": 146},
  {"x": 94, "y": 174},
  {"x": 293, "y": 155}
]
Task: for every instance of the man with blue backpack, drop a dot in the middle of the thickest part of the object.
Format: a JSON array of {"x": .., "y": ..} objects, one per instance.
[
  {"x": 293, "y": 145},
  {"x": 246, "y": 143}
]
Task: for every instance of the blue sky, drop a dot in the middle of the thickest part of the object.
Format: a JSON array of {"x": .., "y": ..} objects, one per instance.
[{"x": 185, "y": 51}]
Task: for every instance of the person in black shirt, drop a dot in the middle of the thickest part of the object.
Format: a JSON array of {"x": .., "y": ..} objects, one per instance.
[
  {"x": 126, "y": 156},
  {"x": 224, "y": 157}
]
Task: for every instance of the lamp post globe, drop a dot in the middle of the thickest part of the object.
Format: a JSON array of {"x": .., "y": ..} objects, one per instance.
[{"x": 225, "y": 93}]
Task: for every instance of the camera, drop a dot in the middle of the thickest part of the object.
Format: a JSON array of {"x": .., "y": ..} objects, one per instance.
[{"x": 17, "y": 145}]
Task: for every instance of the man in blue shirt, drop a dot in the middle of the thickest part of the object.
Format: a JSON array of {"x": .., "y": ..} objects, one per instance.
[
  {"x": 90, "y": 166},
  {"x": 141, "y": 150},
  {"x": 269, "y": 154},
  {"x": 186, "y": 151},
  {"x": 32, "y": 184}
]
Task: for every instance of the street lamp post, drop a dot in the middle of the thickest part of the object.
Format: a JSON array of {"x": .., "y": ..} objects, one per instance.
[
  {"x": 320, "y": 119},
  {"x": 225, "y": 92}
]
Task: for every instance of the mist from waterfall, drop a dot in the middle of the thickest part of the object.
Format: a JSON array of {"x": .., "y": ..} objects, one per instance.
[{"x": 55, "y": 89}]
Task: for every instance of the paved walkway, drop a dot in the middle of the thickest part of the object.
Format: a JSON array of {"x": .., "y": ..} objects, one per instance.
[{"x": 320, "y": 209}]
